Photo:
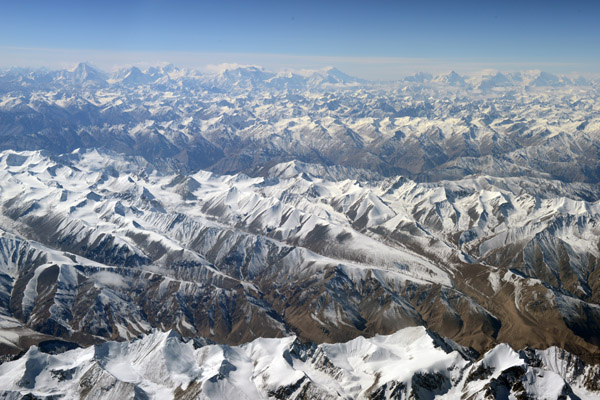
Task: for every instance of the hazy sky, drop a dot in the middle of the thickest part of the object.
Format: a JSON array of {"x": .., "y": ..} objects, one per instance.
[{"x": 362, "y": 36}]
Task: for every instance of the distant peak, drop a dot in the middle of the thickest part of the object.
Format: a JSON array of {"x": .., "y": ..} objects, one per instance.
[
  {"x": 224, "y": 67},
  {"x": 84, "y": 66},
  {"x": 170, "y": 68},
  {"x": 452, "y": 78},
  {"x": 80, "y": 66},
  {"x": 85, "y": 72}
]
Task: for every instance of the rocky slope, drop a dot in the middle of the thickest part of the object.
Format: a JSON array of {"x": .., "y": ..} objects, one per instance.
[{"x": 100, "y": 246}]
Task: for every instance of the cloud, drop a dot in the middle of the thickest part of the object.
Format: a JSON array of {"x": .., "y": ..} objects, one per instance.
[{"x": 109, "y": 279}]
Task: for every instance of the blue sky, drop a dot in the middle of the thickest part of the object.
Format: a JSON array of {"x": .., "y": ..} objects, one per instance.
[{"x": 424, "y": 34}]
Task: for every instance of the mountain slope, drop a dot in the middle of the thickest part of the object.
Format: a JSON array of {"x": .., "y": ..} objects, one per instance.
[{"x": 101, "y": 246}]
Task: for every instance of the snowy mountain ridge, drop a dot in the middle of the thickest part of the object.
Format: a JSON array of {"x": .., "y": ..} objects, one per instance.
[
  {"x": 97, "y": 246},
  {"x": 485, "y": 79},
  {"x": 411, "y": 363},
  {"x": 246, "y": 119}
]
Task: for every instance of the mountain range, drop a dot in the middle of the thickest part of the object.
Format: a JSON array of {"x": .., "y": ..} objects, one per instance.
[{"x": 163, "y": 213}]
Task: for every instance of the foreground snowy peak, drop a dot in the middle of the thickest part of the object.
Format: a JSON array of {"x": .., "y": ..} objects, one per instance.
[{"x": 411, "y": 363}]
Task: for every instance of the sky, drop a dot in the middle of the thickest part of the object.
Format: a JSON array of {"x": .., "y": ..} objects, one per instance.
[{"x": 367, "y": 38}]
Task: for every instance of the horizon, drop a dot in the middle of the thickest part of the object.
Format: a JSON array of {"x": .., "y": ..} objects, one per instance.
[
  {"x": 396, "y": 69},
  {"x": 383, "y": 40}
]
